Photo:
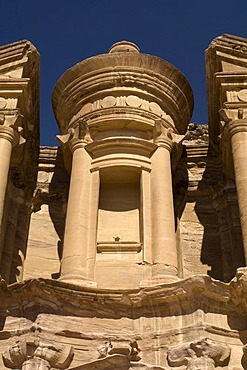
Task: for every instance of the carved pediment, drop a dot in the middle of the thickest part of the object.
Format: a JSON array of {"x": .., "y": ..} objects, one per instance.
[{"x": 14, "y": 58}]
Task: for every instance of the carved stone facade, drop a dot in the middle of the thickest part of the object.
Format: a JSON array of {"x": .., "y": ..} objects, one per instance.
[{"x": 125, "y": 247}]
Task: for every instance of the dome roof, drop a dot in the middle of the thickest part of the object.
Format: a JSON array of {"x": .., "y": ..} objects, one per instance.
[{"x": 123, "y": 66}]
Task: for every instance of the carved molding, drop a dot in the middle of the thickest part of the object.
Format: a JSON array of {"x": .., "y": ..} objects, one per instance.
[
  {"x": 236, "y": 95},
  {"x": 33, "y": 352},
  {"x": 132, "y": 101},
  {"x": 8, "y": 103}
]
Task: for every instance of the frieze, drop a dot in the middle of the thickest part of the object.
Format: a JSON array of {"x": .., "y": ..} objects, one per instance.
[
  {"x": 132, "y": 101},
  {"x": 236, "y": 95},
  {"x": 8, "y": 103}
]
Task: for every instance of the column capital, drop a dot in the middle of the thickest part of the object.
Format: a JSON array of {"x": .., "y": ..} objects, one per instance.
[
  {"x": 201, "y": 354},
  {"x": 236, "y": 126},
  {"x": 34, "y": 350},
  {"x": 10, "y": 126},
  {"x": 77, "y": 137},
  {"x": 9, "y": 134},
  {"x": 231, "y": 124},
  {"x": 165, "y": 136}
]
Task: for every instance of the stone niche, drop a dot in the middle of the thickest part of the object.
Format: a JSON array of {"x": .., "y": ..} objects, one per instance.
[{"x": 118, "y": 223}]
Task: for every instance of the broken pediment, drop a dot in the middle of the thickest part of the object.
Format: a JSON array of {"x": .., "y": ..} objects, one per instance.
[
  {"x": 17, "y": 59},
  {"x": 226, "y": 73}
]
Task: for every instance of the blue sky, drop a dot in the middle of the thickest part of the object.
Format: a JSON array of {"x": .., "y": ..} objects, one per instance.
[{"x": 66, "y": 32}]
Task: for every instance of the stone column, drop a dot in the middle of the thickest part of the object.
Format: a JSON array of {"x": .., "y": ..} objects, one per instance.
[
  {"x": 78, "y": 227},
  {"x": 8, "y": 139},
  {"x": 10, "y": 239},
  {"x": 74, "y": 259},
  {"x": 165, "y": 259},
  {"x": 237, "y": 130},
  {"x": 36, "y": 364}
]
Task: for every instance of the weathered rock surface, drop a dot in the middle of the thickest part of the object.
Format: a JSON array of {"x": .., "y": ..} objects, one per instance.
[{"x": 125, "y": 247}]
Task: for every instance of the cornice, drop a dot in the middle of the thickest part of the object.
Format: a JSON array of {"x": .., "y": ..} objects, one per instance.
[
  {"x": 235, "y": 45},
  {"x": 185, "y": 295},
  {"x": 15, "y": 54}
]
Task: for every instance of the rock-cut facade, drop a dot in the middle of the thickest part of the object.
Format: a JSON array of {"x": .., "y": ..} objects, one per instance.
[{"x": 125, "y": 246}]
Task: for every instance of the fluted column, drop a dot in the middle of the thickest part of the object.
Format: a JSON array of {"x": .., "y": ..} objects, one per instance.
[
  {"x": 77, "y": 265},
  {"x": 164, "y": 249},
  {"x": 237, "y": 131}
]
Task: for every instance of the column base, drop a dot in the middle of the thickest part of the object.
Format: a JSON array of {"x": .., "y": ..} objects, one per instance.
[
  {"x": 159, "y": 280},
  {"x": 162, "y": 274},
  {"x": 161, "y": 269},
  {"x": 77, "y": 280}
]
